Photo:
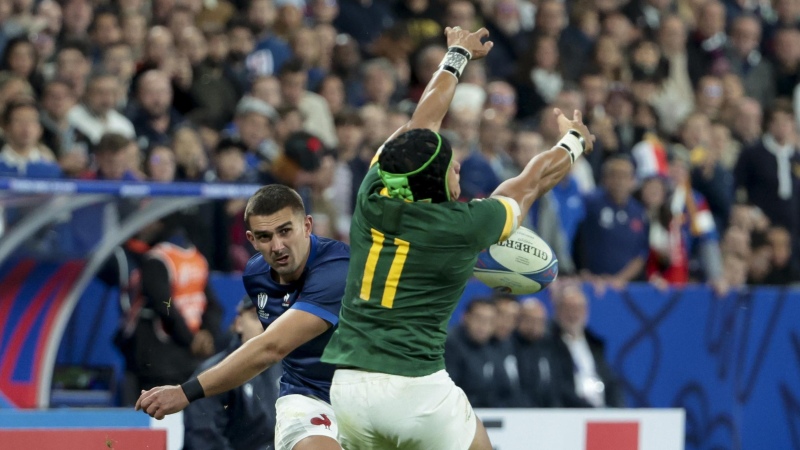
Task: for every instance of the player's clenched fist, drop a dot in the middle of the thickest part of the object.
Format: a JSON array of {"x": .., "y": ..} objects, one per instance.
[
  {"x": 161, "y": 401},
  {"x": 470, "y": 41}
]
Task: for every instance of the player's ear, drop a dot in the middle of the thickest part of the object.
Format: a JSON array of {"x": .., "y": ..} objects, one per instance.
[
  {"x": 308, "y": 225},
  {"x": 250, "y": 238}
]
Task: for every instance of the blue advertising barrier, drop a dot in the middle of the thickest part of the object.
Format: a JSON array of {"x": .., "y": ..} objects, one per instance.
[{"x": 732, "y": 363}]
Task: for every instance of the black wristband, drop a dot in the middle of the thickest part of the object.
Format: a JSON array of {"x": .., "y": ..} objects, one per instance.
[
  {"x": 193, "y": 390},
  {"x": 450, "y": 69},
  {"x": 460, "y": 50},
  {"x": 580, "y": 138}
]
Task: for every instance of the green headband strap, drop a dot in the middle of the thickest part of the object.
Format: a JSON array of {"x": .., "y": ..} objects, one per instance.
[{"x": 397, "y": 184}]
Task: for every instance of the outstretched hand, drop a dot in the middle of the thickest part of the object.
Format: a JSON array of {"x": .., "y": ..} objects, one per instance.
[
  {"x": 565, "y": 124},
  {"x": 470, "y": 41},
  {"x": 161, "y": 401}
]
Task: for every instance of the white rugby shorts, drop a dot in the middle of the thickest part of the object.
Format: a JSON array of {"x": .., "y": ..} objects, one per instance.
[
  {"x": 300, "y": 416},
  {"x": 377, "y": 411}
]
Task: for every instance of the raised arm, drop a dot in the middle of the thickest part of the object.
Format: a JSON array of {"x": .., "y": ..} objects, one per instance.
[
  {"x": 438, "y": 94},
  {"x": 546, "y": 169}
]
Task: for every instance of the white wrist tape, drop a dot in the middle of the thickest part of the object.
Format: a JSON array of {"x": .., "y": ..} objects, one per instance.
[{"x": 573, "y": 143}]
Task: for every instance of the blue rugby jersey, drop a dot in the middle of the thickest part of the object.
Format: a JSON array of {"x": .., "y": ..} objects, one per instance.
[{"x": 319, "y": 291}]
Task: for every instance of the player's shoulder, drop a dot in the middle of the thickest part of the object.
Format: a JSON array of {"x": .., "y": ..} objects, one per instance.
[
  {"x": 255, "y": 265},
  {"x": 332, "y": 256}
]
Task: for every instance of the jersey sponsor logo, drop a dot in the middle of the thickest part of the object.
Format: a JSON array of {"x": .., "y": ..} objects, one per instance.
[
  {"x": 285, "y": 303},
  {"x": 322, "y": 420},
  {"x": 262, "y": 300}
]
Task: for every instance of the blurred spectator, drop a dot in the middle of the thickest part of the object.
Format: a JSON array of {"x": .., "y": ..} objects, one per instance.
[
  {"x": 786, "y": 60},
  {"x": 112, "y": 159},
  {"x": 764, "y": 173},
  {"x": 154, "y": 120},
  {"x": 318, "y": 119},
  {"x": 747, "y": 125},
  {"x": 706, "y": 50},
  {"x": 613, "y": 236},
  {"x": 676, "y": 99},
  {"x": 240, "y": 418},
  {"x": 214, "y": 88},
  {"x": 174, "y": 318},
  {"x": 253, "y": 125},
  {"x": 270, "y": 51},
  {"x": 647, "y": 15},
  {"x": 304, "y": 44},
  {"x": 510, "y": 40},
  {"x": 73, "y": 64},
  {"x": 507, "y": 382},
  {"x": 104, "y": 30},
  {"x": 364, "y": 21},
  {"x": 494, "y": 143},
  {"x": 747, "y": 62},
  {"x": 69, "y": 145},
  {"x": 709, "y": 96},
  {"x": 380, "y": 83},
  {"x": 96, "y": 115},
  {"x": 418, "y": 18},
  {"x": 502, "y": 99},
  {"x": 784, "y": 268},
  {"x": 118, "y": 60},
  {"x": 160, "y": 164},
  {"x": 538, "y": 79},
  {"x": 268, "y": 90},
  {"x": 23, "y": 153},
  {"x": 534, "y": 357},
  {"x": 587, "y": 379},
  {"x": 20, "y": 59},
  {"x": 242, "y": 43},
  {"x": 469, "y": 356}
]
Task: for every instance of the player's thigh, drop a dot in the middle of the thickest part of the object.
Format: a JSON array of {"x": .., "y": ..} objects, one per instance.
[
  {"x": 428, "y": 412},
  {"x": 351, "y": 400},
  {"x": 300, "y": 417},
  {"x": 481, "y": 440}
]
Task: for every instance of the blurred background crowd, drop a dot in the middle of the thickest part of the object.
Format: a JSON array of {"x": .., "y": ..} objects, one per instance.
[{"x": 694, "y": 104}]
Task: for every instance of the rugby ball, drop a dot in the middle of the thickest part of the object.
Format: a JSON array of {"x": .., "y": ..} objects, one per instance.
[{"x": 522, "y": 264}]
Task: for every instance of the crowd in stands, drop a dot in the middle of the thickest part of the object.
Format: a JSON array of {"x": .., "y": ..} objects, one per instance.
[
  {"x": 694, "y": 104},
  {"x": 507, "y": 353}
]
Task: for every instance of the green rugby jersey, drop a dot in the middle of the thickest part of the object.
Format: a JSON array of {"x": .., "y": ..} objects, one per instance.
[{"x": 409, "y": 263}]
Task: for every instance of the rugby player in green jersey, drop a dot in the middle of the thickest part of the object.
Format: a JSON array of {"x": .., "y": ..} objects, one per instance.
[{"x": 413, "y": 248}]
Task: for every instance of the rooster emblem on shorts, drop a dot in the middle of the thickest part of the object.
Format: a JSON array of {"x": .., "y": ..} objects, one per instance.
[{"x": 323, "y": 421}]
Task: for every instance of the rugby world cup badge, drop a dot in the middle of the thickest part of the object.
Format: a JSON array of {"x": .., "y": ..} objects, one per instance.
[{"x": 262, "y": 300}]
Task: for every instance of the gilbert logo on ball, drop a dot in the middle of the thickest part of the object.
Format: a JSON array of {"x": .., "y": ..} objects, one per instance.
[{"x": 522, "y": 264}]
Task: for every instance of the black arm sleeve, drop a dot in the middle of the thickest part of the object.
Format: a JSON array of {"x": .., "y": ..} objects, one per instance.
[{"x": 158, "y": 294}]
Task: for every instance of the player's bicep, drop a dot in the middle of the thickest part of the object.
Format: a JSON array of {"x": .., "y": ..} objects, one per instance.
[{"x": 493, "y": 220}]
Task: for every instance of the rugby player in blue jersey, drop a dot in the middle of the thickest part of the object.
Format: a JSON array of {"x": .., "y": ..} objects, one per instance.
[{"x": 296, "y": 282}]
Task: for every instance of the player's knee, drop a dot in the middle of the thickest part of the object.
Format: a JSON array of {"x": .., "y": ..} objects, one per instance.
[{"x": 317, "y": 443}]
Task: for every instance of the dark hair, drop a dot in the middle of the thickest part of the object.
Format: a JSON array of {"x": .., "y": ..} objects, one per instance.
[
  {"x": 271, "y": 199},
  {"x": 479, "y": 301},
  {"x": 15, "y": 104},
  {"x": 408, "y": 153},
  {"x": 292, "y": 67},
  {"x": 781, "y": 105},
  {"x": 77, "y": 44},
  {"x": 348, "y": 117},
  {"x": 19, "y": 40},
  {"x": 99, "y": 12},
  {"x": 111, "y": 143}
]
